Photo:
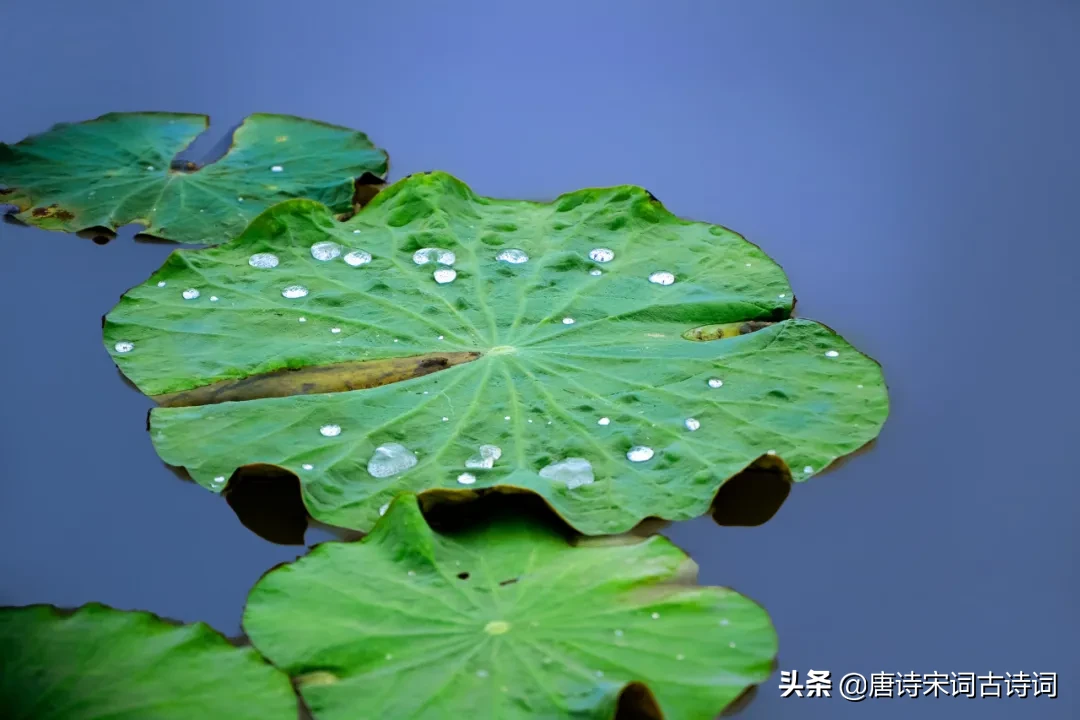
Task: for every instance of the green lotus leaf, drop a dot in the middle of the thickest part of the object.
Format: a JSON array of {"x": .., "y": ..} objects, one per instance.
[
  {"x": 507, "y": 619},
  {"x": 120, "y": 169},
  {"x": 619, "y": 361},
  {"x": 103, "y": 664}
]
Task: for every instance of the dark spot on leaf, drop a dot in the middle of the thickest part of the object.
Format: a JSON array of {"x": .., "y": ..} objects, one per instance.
[
  {"x": 510, "y": 581},
  {"x": 463, "y": 576},
  {"x": 40, "y": 212},
  {"x": 779, "y": 394}
]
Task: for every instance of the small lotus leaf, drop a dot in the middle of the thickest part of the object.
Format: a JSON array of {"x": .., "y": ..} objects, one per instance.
[
  {"x": 120, "y": 169},
  {"x": 104, "y": 664},
  {"x": 506, "y": 620},
  {"x": 597, "y": 350}
]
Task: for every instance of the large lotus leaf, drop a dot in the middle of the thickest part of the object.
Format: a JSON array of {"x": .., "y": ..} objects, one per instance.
[
  {"x": 505, "y": 620},
  {"x": 103, "y": 664},
  {"x": 120, "y": 169},
  {"x": 567, "y": 374}
]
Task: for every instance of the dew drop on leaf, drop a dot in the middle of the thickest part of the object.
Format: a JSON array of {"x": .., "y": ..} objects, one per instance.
[
  {"x": 602, "y": 255},
  {"x": 264, "y": 261},
  {"x": 190, "y": 294},
  {"x": 639, "y": 453},
  {"x": 444, "y": 275},
  {"x": 356, "y": 258},
  {"x": 572, "y": 472},
  {"x": 716, "y": 382},
  {"x": 294, "y": 291},
  {"x": 603, "y": 421},
  {"x": 325, "y": 250},
  {"x": 466, "y": 478},
  {"x": 390, "y": 459},
  {"x": 330, "y": 430},
  {"x": 662, "y": 278},
  {"x": 692, "y": 424},
  {"x": 425, "y": 255},
  {"x": 276, "y": 168},
  {"x": 512, "y": 256},
  {"x": 124, "y": 346},
  {"x": 485, "y": 460}
]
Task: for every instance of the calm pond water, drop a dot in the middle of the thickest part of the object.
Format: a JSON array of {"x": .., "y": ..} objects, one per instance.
[{"x": 915, "y": 170}]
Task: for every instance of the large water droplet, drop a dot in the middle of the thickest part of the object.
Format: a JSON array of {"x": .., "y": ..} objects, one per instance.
[
  {"x": 568, "y": 321},
  {"x": 715, "y": 382},
  {"x": 294, "y": 291},
  {"x": 190, "y": 294},
  {"x": 425, "y": 255},
  {"x": 325, "y": 250},
  {"x": 662, "y": 278},
  {"x": 357, "y": 258},
  {"x": 264, "y": 261},
  {"x": 466, "y": 478},
  {"x": 692, "y": 424},
  {"x": 390, "y": 459},
  {"x": 831, "y": 353},
  {"x": 444, "y": 275},
  {"x": 603, "y": 421},
  {"x": 486, "y": 459},
  {"x": 124, "y": 346},
  {"x": 512, "y": 256},
  {"x": 572, "y": 472},
  {"x": 602, "y": 254},
  {"x": 276, "y": 168},
  {"x": 330, "y": 430},
  {"x": 639, "y": 453}
]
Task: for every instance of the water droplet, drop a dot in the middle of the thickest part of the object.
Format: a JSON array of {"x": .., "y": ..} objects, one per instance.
[
  {"x": 859, "y": 386},
  {"x": 731, "y": 644},
  {"x": 771, "y": 452},
  {"x": 411, "y": 573},
  {"x": 656, "y": 616},
  {"x": 149, "y": 167},
  {"x": 239, "y": 199},
  {"x": 213, "y": 298},
  {"x": 440, "y": 337},
  {"x": 782, "y": 295},
  {"x": 747, "y": 264},
  {"x": 444, "y": 275},
  {"x": 264, "y": 261},
  {"x": 383, "y": 509},
  {"x": 692, "y": 424},
  {"x": 161, "y": 283},
  {"x": 425, "y": 255},
  {"x": 190, "y": 294},
  {"x": 308, "y": 466},
  {"x": 618, "y": 633},
  {"x": 568, "y": 321},
  {"x": 808, "y": 469},
  {"x": 680, "y": 656},
  {"x": 724, "y": 621},
  {"x": 481, "y": 673},
  {"x": 355, "y": 232},
  {"x": 639, "y": 453},
  {"x": 466, "y": 478},
  {"x": 832, "y": 353},
  {"x": 596, "y": 271},
  {"x": 486, "y": 459},
  {"x": 603, "y": 421},
  {"x": 512, "y": 256},
  {"x": 335, "y": 330},
  {"x": 124, "y": 346},
  {"x": 445, "y": 419},
  {"x": 662, "y": 278},
  {"x": 507, "y": 417},
  {"x": 303, "y": 319},
  {"x": 572, "y": 472},
  {"x": 330, "y": 430},
  {"x": 325, "y": 250},
  {"x": 715, "y": 382},
  {"x": 602, "y": 255},
  {"x": 294, "y": 291},
  {"x": 276, "y": 168},
  {"x": 356, "y": 258},
  {"x": 390, "y": 459},
  {"x": 219, "y": 480}
]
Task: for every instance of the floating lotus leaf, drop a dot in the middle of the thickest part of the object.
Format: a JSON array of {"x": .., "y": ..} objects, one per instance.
[
  {"x": 103, "y": 664},
  {"x": 597, "y": 350},
  {"x": 506, "y": 620},
  {"x": 120, "y": 169}
]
